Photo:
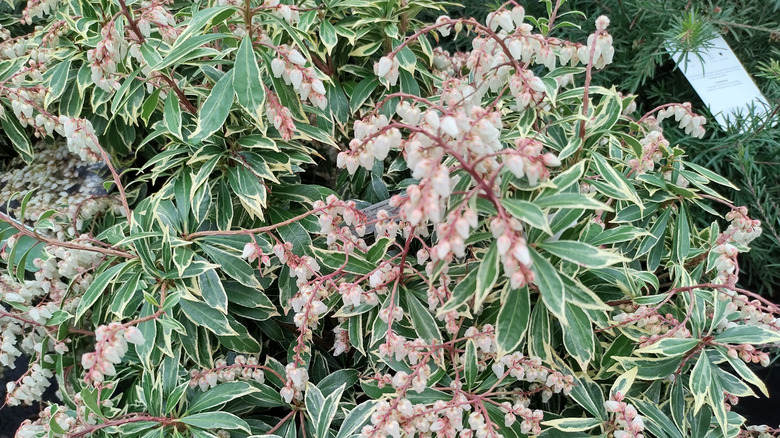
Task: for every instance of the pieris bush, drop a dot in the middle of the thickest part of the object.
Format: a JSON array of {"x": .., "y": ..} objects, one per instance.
[{"x": 508, "y": 250}]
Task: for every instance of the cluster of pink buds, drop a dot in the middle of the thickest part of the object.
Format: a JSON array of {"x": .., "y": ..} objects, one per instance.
[
  {"x": 692, "y": 123},
  {"x": 280, "y": 116},
  {"x": 749, "y": 311},
  {"x": 387, "y": 70},
  {"x": 52, "y": 415},
  {"x": 341, "y": 344},
  {"x": 513, "y": 250},
  {"x": 290, "y": 67},
  {"x": 742, "y": 229},
  {"x": 449, "y": 64},
  {"x": 296, "y": 383},
  {"x": 528, "y": 161},
  {"x": 353, "y": 295},
  {"x": 453, "y": 234},
  {"x": 531, "y": 418},
  {"x": 652, "y": 322},
  {"x": 628, "y": 423},
  {"x": 749, "y": 354},
  {"x": 26, "y": 104},
  {"x": 400, "y": 417},
  {"x": 337, "y": 219},
  {"x": 110, "y": 51},
  {"x": 243, "y": 367},
  {"x": 154, "y": 13},
  {"x": 530, "y": 369},
  {"x": 654, "y": 145},
  {"x": 110, "y": 346}
]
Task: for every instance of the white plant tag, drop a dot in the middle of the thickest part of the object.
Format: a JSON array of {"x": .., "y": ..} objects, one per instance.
[{"x": 722, "y": 82}]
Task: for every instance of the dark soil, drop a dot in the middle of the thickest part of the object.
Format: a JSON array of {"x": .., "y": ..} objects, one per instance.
[{"x": 12, "y": 416}]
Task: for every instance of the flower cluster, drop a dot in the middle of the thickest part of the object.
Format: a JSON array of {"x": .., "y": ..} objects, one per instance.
[
  {"x": 110, "y": 346},
  {"x": 104, "y": 58},
  {"x": 528, "y": 161},
  {"x": 650, "y": 321},
  {"x": 692, "y": 123},
  {"x": 38, "y": 9},
  {"x": 530, "y": 417},
  {"x": 81, "y": 137},
  {"x": 296, "y": 383},
  {"x": 599, "y": 46},
  {"x": 749, "y": 354},
  {"x": 290, "y": 67},
  {"x": 30, "y": 387},
  {"x": 654, "y": 148},
  {"x": 280, "y": 116},
  {"x": 243, "y": 367},
  {"x": 628, "y": 423},
  {"x": 373, "y": 140},
  {"x": 387, "y": 70}
]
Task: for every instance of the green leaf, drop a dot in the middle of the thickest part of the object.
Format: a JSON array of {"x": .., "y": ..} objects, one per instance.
[
  {"x": 97, "y": 287},
  {"x": 609, "y": 176},
  {"x": 528, "y": 213},
  {"x": 19, "y": 138},
  {"x": 623, "y": 383},
  {"x": 58, "y": 79},
  {"x": 215, "y": 109},
  {"x": 671, "y": 346},
  {"x": 172, "y": 114},
  {"x": 701, "y": 378},
  {"x": 219, "y": 395},
  {"x": 215, "y": 420},
  {"x": 328, "y": 411},
  {"x": 181, "y": 51},
  {"x": 682, "y": 236},
  {"x": 361, "y": 92},
  {"x": 550, "y": 285},
  {"x": 250, "y": 191},
  {"x": 573, "y": 424},
  {"x": 203, "y": 315},
  {"x": 232, "y": 265},
  {"x": 512, "y": 320},
  {"x": 582, "y": 253},
  {"x": 423, "y": 322},
  {"x": 328, "y": 35},
  {"x": 578, "y": 335},
  {"x": 334, "y": 380},
  {"x": 212, "y": 290},
  {"x": 247, "y": 83},
  {"x": 487, "y": 275},
  {"x": 748, "y": 334},
  {"x": 470, "y": 365},
  {"x": 407, "y": 59},
  {"x": 356, "y": 419},
  {"x": 571, "y": 200}
]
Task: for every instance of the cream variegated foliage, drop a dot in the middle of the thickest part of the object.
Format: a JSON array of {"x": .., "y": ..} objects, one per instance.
[{"x": 509, "y": 250}]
